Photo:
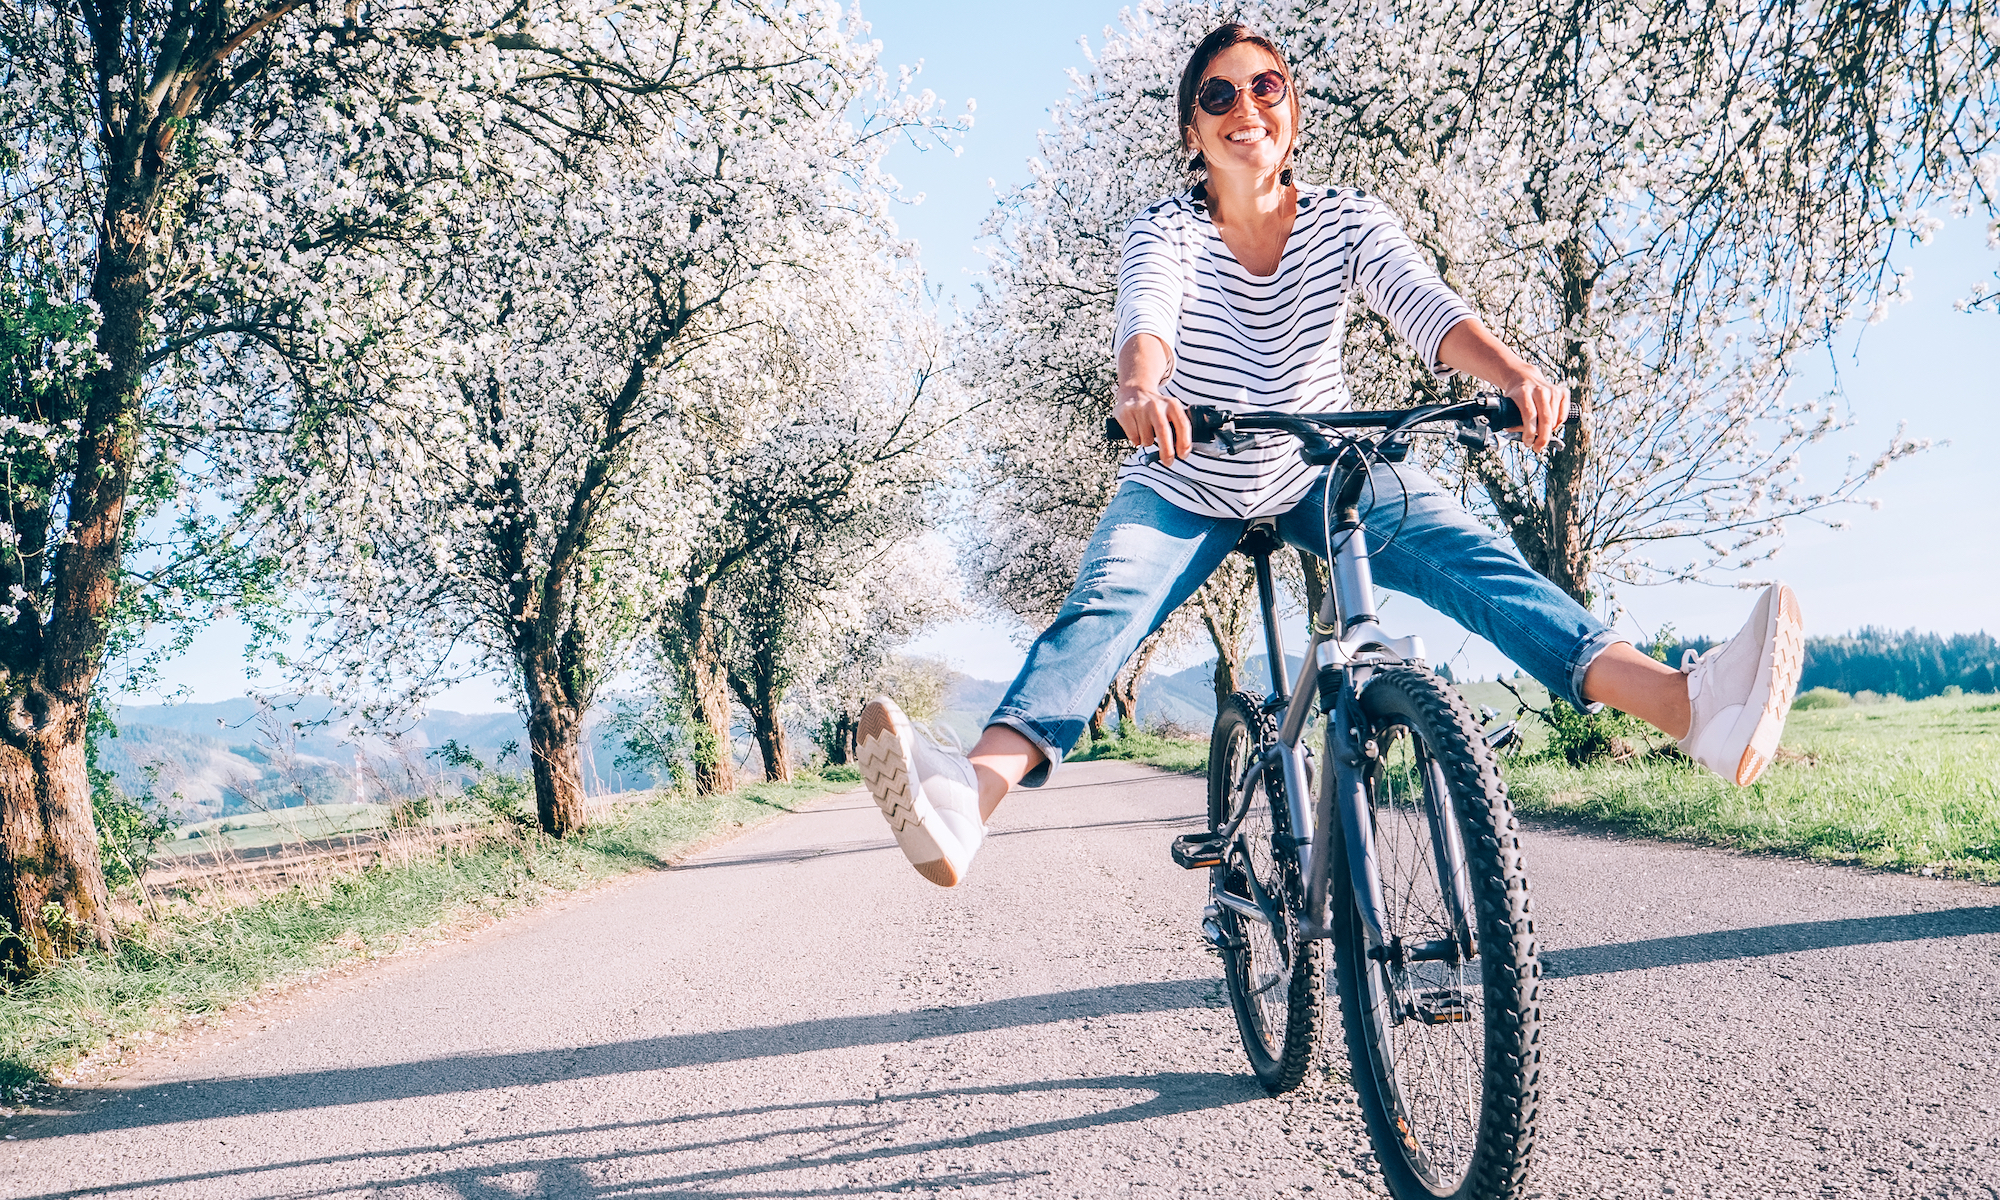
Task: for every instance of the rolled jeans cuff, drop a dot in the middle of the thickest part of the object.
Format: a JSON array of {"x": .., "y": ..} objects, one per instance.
[
  {"x": 1051, "y": 757},
  {"x": 1587, "y": 653}
]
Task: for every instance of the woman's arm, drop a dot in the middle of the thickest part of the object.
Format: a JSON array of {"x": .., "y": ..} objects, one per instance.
[
  {"x": 1148, "y": 415},
  {"x": 1470, "y": 348}
]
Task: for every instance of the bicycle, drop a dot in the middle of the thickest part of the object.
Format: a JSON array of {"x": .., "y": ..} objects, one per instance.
[{"x": 1407, "y": 860}]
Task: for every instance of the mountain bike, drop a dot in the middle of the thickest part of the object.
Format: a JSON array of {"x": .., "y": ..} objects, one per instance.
[{"x": 1406, "y": 859}]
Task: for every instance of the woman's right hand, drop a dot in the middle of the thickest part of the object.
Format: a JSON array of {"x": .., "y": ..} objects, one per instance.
[{"x": 1148, "y": 416}]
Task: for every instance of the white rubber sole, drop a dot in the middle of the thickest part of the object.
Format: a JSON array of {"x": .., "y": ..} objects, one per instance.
[
  {"x": 883, "y": 740},
  {"x": 1770, "y": 701}
]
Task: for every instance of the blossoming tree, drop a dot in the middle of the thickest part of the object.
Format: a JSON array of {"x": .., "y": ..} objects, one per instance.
[
  {"x": 521, "y": 488},
  {"x": 203, "y": 199}
]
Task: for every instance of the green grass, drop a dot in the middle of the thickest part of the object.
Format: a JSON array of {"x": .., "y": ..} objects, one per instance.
[
  {"x": 192, "y": 960},
  {"x": 1188, "y": 756},
  {"x": 1903, "y": 786}
]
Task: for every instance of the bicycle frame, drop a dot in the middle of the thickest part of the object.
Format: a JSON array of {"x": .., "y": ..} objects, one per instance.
[{"x": 1347, "y": 644}]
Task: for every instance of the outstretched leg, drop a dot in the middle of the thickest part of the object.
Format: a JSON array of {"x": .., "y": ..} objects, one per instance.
[
  {"x": 1727, "y": 709},
  {"x": 1146, "y": 557}
]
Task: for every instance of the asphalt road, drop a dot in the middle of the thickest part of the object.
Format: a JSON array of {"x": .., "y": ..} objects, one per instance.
[{"x": 798, "y": 1014}]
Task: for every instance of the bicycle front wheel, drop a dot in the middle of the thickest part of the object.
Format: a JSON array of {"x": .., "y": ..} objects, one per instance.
[
  {"x": 1276, "y": 983},
  {"x": 1441, "y": 1025}
]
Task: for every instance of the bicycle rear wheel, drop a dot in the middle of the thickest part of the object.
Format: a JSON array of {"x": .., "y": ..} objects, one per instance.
[
  {"x": 1276, "y": 983},
  {"x": 1442, "y": 1026}
]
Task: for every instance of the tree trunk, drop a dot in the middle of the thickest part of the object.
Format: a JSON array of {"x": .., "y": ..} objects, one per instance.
[
  {"x": 770, "y": 733},
  {"x": 694, "y": 646},
  {"x": 1549, "y": 531},
  {"x": 555, "y": 729},
  {"x": 1125, "y": 685},
  {"x": 836, "y": 738},
  {"x": 1098, "y": 732},
  {"x": 1315, "y": 573},
  {"x": 759, "y": 684},
  {"x": 48, "y": 842},
  {"x": 1226, "y": 602},
  {"x": 48, "y": 853},
  {"x": 1570, "y": 557}
]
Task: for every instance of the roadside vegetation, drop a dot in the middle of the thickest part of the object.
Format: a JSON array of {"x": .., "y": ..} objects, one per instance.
[
  {"x": 1170, "y": 750},
  {"x": 184, "y": 958},
  {"x": 1872, "y": 780}
]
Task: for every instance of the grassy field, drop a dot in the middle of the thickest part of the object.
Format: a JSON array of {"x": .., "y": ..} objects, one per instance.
[
  {"x": 1905, "y": 786},
  {"x": 192, "y": 958},
  {"x": 255, "y": 830},
  {"x": 1908, "y": 786}
]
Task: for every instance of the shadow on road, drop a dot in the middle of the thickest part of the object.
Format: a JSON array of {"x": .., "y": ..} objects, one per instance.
[
  {"x": 793, "y": 1146},
  {"x": 887, "y": 843},
  {"x": 166, "y": 1104},
  {"x": 1768, "y": 939}
]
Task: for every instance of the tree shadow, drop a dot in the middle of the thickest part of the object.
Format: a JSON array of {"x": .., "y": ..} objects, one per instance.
[
  {"x": 166, "y": 1104},
  {"x": 514, "y": 1169},
  {"x": 1766, "y": 940}
]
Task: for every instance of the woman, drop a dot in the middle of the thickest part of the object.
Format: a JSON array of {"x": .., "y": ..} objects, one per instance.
[{"x": 1235, "y": 293}]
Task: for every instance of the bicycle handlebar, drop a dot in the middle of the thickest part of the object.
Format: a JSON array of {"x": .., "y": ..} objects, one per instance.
[{"x": 1208, "y": 422}]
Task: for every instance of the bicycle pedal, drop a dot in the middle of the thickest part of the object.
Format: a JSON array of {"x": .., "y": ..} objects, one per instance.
[
  {"x": 1444, "y": 1007},
  {"x": 1198, "y": 851}
]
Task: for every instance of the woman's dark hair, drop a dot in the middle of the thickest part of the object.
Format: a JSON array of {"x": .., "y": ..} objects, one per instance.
[{"x": 1221, "y": 38}]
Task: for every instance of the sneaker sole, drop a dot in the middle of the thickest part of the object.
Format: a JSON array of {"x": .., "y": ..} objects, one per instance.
[
  {"x": 1787, "y": 661},
  {"x": 891, "y": 777}
]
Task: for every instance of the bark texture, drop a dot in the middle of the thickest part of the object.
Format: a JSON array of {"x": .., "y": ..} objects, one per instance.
[
  {"x": 1098, "y": 729},
  {"x": 555, "y": 734},
  {"x": 49, "y": 869},
  {"x": 1125, "y": 685},
  {"x": 1227, "y": 602},
  {"x": 693, "y": 643}
]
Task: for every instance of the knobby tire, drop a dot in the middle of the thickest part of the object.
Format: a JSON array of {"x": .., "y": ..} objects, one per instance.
[
  {"x": 1276, "y": 983},
  {"x": 1448, "y": 1118}
]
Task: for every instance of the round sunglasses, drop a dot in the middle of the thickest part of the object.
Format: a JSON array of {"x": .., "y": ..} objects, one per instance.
[{"x": 1217, "y": 95}]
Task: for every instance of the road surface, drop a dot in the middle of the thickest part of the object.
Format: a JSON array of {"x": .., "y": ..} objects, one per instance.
[{"x": 798, "y": 1014}]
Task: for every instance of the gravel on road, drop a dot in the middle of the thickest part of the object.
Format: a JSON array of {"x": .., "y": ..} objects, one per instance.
[{"x": 797, "y": 1013}]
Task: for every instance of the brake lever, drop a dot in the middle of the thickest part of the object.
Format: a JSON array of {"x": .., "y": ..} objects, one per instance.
[
  {"x": 1478, "y": 434},
  {"x": 1555, "y": 438}
]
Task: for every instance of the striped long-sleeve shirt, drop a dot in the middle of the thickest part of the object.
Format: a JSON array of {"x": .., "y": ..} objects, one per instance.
[{"x": 1245, "y": 342}]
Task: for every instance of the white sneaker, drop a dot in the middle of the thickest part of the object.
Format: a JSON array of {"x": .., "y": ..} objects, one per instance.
[
  {"x": 1740, "y": 691},
  {"x": 929, "y": 794}
]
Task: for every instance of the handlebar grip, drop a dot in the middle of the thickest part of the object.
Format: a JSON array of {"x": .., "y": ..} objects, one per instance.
[
  {"x": 1204, "y": 422},
  {"x": 1509, "y": 414}
]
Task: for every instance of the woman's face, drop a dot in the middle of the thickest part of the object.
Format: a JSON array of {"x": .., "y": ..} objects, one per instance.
[{"x": 1249, "y": 137}]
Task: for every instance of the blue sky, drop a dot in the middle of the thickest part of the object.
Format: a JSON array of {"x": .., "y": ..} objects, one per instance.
[{"x": 1929, "y": 559}]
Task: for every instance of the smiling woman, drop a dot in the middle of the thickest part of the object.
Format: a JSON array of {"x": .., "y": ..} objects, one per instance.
[{"x": 1235, "y": 293}]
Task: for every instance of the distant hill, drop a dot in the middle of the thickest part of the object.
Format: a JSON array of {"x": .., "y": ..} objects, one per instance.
[{"x": 212, "y": 760}]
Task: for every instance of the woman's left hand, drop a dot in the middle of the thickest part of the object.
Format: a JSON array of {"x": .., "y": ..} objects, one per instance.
[
  {"x": 1544, "y": 407},
  {"x": 1470, "y": 348}
]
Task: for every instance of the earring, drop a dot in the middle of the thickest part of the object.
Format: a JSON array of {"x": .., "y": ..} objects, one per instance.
[
  {"x": 1285, "y": 177},
  {"x": 1200, "y": 192}
]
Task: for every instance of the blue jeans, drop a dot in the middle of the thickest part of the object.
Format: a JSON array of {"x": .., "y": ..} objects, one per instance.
[{"x": 1148, "y": 556}]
